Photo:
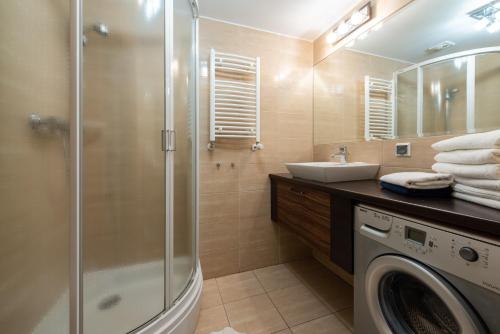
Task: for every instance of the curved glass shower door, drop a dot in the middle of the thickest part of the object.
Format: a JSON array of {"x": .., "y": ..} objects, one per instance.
[
  {"x": 183, "y": 111},
  {"x": 123, "y": 200}
]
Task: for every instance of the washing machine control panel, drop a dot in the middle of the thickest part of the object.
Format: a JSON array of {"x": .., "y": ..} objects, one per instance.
[{"x": 470, "y": 257}]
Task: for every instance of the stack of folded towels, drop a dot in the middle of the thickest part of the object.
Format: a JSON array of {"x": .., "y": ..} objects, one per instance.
[
  {"x": 474, "y": 161},
  {"x": 418, "y": 184}
]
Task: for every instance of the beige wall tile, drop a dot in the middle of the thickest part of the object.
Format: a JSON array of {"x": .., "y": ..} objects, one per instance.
[
  {"x": 422, "y": 154},
  {"x": 255, "y": 203},
  {"x": 255, "y": 231},
  {"x": 219, "y": 263},
  {"x": 255, "y": 176},
  {"x": 218, "y": 234},
  {"x": 286, "y": 132},
  {"x": 218, "y": 179},
  {"x": 259, "y": 256},
  {"x": 258, "y": 241},
  {"x": 218, "y": 205}
]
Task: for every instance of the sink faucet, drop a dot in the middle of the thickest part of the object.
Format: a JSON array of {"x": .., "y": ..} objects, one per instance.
[{"x": 342, "y": 154}]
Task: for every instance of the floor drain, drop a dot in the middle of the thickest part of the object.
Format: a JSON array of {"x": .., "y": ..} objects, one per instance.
[{"x": 109, "y": 302}]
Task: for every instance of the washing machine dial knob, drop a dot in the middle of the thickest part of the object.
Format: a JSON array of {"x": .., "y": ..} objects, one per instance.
[{"x": 468, "y": 254}]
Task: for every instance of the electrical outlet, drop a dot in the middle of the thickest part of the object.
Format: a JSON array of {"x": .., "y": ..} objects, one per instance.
[{"x": 403, "y": 150}]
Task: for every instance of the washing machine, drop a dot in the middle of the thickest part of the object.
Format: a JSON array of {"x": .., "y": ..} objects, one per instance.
[{"x": 413, "y": 276}]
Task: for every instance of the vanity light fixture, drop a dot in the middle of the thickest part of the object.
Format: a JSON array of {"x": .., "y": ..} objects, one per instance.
[
  {"x": 487, "y": 16},
  {"x": 357, "y": 19}
]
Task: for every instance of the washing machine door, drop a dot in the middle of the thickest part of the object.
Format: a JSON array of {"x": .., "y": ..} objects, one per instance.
[{"x": 405, "y": 296}]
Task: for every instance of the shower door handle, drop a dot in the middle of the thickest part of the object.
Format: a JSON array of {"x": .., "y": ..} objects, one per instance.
[
  {"x": 168, "y": 141},
  {"x": 172, "y": 141}
]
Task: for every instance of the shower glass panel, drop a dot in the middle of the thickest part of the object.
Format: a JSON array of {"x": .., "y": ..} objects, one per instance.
[
  {"x": 34, "y": 166},
  {"x": 407, "y": 104},
  {"x": 445, "y": 97},
  {"x": 123, "y": 200},
  {"x": 487, "y": 99},
  {"x": 183, "y": 76}
]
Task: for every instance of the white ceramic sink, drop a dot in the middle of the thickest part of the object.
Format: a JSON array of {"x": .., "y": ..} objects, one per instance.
[{"x": 333, "y": 171}]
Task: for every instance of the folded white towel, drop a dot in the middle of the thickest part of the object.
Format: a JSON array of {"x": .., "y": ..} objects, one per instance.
[
  {"x": 419, "y": 180},
  {"x": 470, "y": 157},
  {"x": 483, "y": 193},
  {"x": 479, "y": 183},
  {"x": 478, "y": 200},
  {"x": 488, "y": 171},
  {"x": 489, "y": 139}
]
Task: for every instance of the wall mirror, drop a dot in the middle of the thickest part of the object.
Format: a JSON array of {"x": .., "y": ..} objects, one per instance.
[{"x": 432, "y": 68}]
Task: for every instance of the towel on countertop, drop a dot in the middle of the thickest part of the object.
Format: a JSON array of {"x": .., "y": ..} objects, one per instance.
[
  {"x": 479, "y": 183},
  {"x": 440, "y": 192},
  {"x": 488, "y": 171},
  {"x": 473, "y": 141},
  {"x": 470, "y": 157},
  {"x": 483, "y": 193},
  {"x": 478, "y": 200},
  {"x": 418, "y": 180}
]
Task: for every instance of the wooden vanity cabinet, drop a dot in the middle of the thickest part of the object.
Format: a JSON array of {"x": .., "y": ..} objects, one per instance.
[
  {"x": 307, "y": 212},
  {"x": 321, "y": 219}
]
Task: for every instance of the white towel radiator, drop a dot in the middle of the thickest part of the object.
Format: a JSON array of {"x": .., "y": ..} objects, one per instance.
[
  {"x": 234, "y": 98},
  {"x": 379, "y": 108}
]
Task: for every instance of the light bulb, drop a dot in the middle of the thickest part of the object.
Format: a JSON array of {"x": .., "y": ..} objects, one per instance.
[
  {"x": 343, "y": 28},
  {"x": 357, "y": 18},
  {"x": 331, "y": 37}
]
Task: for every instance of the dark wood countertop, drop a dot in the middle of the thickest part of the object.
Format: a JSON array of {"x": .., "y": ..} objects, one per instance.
[{"x": 452, "y": 212}]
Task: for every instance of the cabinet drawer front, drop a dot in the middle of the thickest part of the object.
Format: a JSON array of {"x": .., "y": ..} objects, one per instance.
[{"x": 307, "y": 212}]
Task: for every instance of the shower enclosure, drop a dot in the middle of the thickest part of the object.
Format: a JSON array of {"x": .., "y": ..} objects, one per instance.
[
  {"x": 98, "y": 166},
  {"x": 455, "y": 93}
]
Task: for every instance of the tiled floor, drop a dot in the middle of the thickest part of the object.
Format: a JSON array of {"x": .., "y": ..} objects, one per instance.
[{"x": 300, "y": 297}]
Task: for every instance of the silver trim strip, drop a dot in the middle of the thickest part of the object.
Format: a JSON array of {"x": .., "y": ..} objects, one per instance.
[
  {"x": 76, "y": 302},
  {"x": 169, "y": 8},
  {"x": 420, "y": 102},
  {"x": 473, "y": 52},
  {"x": 471, "y": 93}
]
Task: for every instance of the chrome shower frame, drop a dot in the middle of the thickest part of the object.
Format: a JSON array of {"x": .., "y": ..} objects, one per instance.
[{"x": 193, "y": 291}]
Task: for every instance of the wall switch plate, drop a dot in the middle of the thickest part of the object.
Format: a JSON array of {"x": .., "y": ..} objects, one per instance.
[{"x": 403, "y": 150}]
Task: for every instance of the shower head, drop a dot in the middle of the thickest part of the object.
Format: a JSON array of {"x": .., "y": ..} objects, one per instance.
[{"x": 450, "y": 93}]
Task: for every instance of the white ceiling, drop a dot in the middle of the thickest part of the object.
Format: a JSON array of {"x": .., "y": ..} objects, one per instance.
[
  {"x": 425, "y": 23},
  {"x": 305, "y": 19}
]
